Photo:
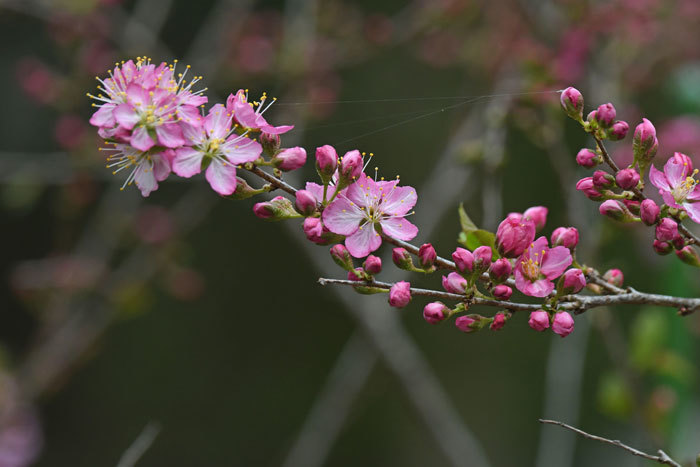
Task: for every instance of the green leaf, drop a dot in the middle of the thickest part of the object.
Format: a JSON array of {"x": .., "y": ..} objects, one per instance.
[
  {"x": 465, "y": 221},
  {"x": 479, "y": 238}
]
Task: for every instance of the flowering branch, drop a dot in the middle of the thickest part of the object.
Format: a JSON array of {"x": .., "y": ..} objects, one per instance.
[
  {"x": 662, "y": 458},
  {"x": 576, "y": 303}
]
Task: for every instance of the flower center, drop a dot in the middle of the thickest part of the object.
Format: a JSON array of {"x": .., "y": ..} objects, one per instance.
[
  {"x": 531, "y": 268},
  {"x": 683, "y": 189}
]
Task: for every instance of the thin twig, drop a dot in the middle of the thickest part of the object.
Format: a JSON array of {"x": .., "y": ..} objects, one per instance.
[
  {"x": 662, "y": 458},
  {"x": 140, "y": 445},
  {"x": 576, "y": 303},
  {"x": 276, "y": 182}
]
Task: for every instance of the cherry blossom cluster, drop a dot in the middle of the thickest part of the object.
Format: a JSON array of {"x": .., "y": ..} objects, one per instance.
[
  {"x": 149, "y": 116},
  {"x": 620, "y": 191},
  {"x": 154, "y": 123}
]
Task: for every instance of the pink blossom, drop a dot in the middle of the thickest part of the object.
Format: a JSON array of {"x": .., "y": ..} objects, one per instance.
[
  {"x": 499, "y": 320},
  {"x": 435, "y": 312},
  {"x": 248, "y": 116},
  {"x": 305, "y": 202},
  {"x": 606, "y": 115},
  {"x": 538, "y": 265},
  {"x": 627, "y": 179},
  {"x": 649, "y": 211},
  {"x": 465, "y": 323},
  {"x": 454, "y": 283},
  {"x": 326, "y": 160},
  {"x": 662, "y": 248},
  {"x": 372, "y": 265},
  {"x": 572, "y": 281},
  {"x": 538, "y": 215},
  {"x": 614, "y": 277},
  {"x": 587, "y": 158},
  {"x": 341, "y": 257},
  {"x": 563, "y": 323},
  {"x": 572, "y": 102},
  {"x": 565, "y": 236},
  {"x": 677, "y": 185},
  {"x": 539, "y": 320},
  {"x": 400, "y": 294},
  {"x": 619, "y": 130},
  {"x": 667, "y": 230},
  {"x": 147, "y": 169},
  {"x": 366, "y": 206},
  {"x": 215, "y": 146},
  {"x": 514, "y": 234},
  {"x": 502, "y": 292},
  {"x": 290, "y": 159},
  {"x": 464, "y": 260},
  {"x": 401, "y": 258},
  {"x": 426, "y": 255},
  {"x": 500, "y": 270}
]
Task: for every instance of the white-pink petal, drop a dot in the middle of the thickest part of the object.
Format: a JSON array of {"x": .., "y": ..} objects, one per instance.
[
  {"x": 241, "y": 151},
  {"x": 104, "y": 116},
  {"x": 693, "y": 210},
  {"x": 141, "y": 140},
  {"x": 343, "y": 217},
  {"x": 399, "y": 228},
  {"x": 170, "y": 135},
  {"x": 217, "y": 122},
  {"x": 675, "y": 172},
  {"x": 161, "y": 166},
  {"x": 187, "y": 162},
  {"x": 399, "y": 200},
  {"x": 126, "y": 116},
  {"x": 221, "y": 176},
  {"x": 145, "y": 178},
  {"x": 363, "y": 242}
]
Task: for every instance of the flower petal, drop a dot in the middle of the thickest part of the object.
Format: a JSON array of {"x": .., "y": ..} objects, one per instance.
[
  {"x": 675, "y": 172},
  {"x": 399, "y": 228},
  {"x": 104, "y": 116},
  {"x": 217, "y": 122},
  {"x": 363, "y": 242},
  {"x": 399, "y": 200},
  {"x": 693, "y": 210},
  {"x": 145, "y": 178},
  {"x": 190, "y": 115},
  {"x": 161, "y": 167},
  {"x": 363, "y": 191},
  {"x": 141, "y": 140},
  {"x": 126, "y": 116},
  {"x": 241, "y": 150},
  {"x": 276, "y": 130},
  {"x": 221, "y": 176},
  {"x": 695, "y": 194},
  {"x": 187, "y": 162},
  {"x": 343, "y": 217},
  {"x": 658, "y": 179},
  {"x": 555, "y": 262},
  {"x": 317, "y": 190},
  {"x": 170, "y": 135},
  {"x": 539, "y": 288}
]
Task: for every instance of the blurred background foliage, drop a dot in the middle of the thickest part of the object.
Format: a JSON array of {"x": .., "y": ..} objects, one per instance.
[{"x": 186, "y": 310}]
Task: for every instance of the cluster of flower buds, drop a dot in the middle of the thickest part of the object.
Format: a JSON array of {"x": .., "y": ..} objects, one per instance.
[
  {"x": 621, "y": 193},
  {"x": 150, "y": 120}
]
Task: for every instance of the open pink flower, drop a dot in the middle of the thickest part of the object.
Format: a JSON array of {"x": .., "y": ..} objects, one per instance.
[
  {"x": 248, "y": 116},
  {"x": 538, "y": 265},
  {"x": 366, "y": 206},
  {"x": 147, "y": 169},
  {"x": 677, "y": 185},
  {"x": 216, "y": 147}
]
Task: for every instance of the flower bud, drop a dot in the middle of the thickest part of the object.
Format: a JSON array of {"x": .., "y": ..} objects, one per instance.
[
  {"x": 614, "y": 277},
  {"x": 602, "y": 179},
  {"x": 644, "y": 144},
  {"x": 688, "y": 255},
  {"x": 649, "y": 211},
  {"x": 350, "y": 167},
  {"x": 514, "y": 235},
  {"x": 572, "y": 102},
  {"x": 563, "y": 323},
  {"x": 276, "y": 209},
  {"x": 614, "y": 209},
  {"x": 372, "y": 265},
  {"x": 342, "y": 257},
  {"x": 592, "y": 118},
  {"x": 538, "y": 215},
  {"x": 326, "y": 162},
  {"x": 667, "y": 230},
  {"x": 305, "y": 202},
  {"x": 435, "y": 312},
  {"x": 270, "y": 143},
  {"x": 464, "y": 260},
  {"x": 662, "y": 248},
  {"x": 290, "y": 159},
  {"x": 402, "y": 259},
  {"x": 606, "y": 115},
  {"x": 502, "y": 292},
  {"x": 464, "y": 323},
  {"x": 586, "y": 186},
  {"x": 499, "y": 320},
  {"x": 587, "y": 158},
  {"x": 572, "y": 281},
  {"x": 482, "y": 258},
  {"x": 627, "y": 179},
  {"x": 357, "y": 274},
  {"x": 618, "y": 131},
  {"x": 313, "y": 229},
  {"x": 454, "y": 283},
  {"x": 565, "y": 236},
  {"x": 539, "y": 320},
  {"x": 500, "y": 270},
  {"x": 426, "y": 255},
  {"x": 400, "y": 294}
]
